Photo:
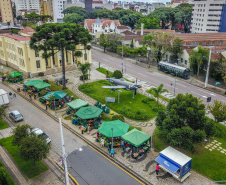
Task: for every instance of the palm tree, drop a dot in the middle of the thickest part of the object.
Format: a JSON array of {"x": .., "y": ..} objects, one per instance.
[
  {"x": 84, "y": 68},
  {"x": 198, "y": 56},
  {"x": 158, "y": 91}
]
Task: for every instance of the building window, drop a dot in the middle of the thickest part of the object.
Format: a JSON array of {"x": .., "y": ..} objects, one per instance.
[
  {"x": 181, "y": 60},
  {"x": 38, "y": 63},
  {"x": 203, "y": 43},
  {"x": 222, "y": 42},
  {"x": 186, "y": 62},
  {"x": 216, "y": 42},
  {"x": 36, "y": 53},
  {"x": 184, "y": 43},
  {"x": 210, "y": 42}
]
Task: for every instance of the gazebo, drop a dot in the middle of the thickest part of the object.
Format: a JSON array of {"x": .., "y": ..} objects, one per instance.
[
  {"x": 137, "y": 139},
  {"x": 119, "y": 129},
  {"x": 15, "y": 77},
  {"x": 57, "y": 94},
  {"x": 75, "y": 105},
  {"x": 32, "y": 82},
  {"x": 57, "y": 97},
  {"x": 41, "y": 85},
  {"x": 88, "y": 116}
]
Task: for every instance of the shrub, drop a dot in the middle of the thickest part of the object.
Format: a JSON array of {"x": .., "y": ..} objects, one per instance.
[
  {"x": 117, "y": 74},
  {"x": 46, "y": 81},
  {"x": 198, "y": 136},
  {"x": 148, "y": 100},
  {"x": 209, "y": 127},
  {"x": 41, "y": 74},
  {"x": 118, "y": 117},
  {"x": 138, "y": 115}
]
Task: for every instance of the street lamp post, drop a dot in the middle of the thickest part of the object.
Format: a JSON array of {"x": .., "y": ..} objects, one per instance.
[
  {"x": 149, "y": 61},
  {"x": 208, "y": 68},
  {"x": 55, "y": 107},
  {"x": 175, "y": 84},
  {"x": 122, "y": 50},
  {"x": 112, "y": 128}
]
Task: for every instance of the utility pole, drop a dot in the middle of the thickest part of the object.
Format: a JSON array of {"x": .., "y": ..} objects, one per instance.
[
  {"x": 208, "y": 68},
  {"x": 63, "y": 153}
]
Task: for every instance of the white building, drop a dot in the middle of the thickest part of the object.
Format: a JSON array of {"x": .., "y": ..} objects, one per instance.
[
  {"x": 27, "y": 5},
  {"x": 58, "y": 7},
  {"x": 154, "y": 6},
  {"x": 208, "y": 16}
]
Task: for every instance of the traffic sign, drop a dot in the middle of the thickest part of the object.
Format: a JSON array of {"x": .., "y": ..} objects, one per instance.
[{"x": 60, "y": 161}]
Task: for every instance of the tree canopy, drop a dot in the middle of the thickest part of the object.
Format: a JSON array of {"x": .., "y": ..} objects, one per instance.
[
  {"x": 73, "y": 18},
  {"x": 59, "y": 37},
  {"x": 176, "y": 48},
  {"x": 81, "y": 13},
  {"x": 131, "y": 20},
  {"x": 151, "y": 22}
]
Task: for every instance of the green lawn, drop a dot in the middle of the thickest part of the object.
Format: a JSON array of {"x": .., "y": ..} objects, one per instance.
[
  {"x": 129, "y": 107},
  {"x": 3, "y": 124},
  {"x": 160, "y": 96},
  {"x": 8, "y": 177},
  {"x": 209, "y": 163},
  {"x": 55, "y": 87},
  {"x": 26, "y": 167}
]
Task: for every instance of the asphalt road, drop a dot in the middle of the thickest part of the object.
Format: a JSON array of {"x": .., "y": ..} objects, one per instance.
[
  {"x": 155, "y": 78},
  {"x": 86, "y": 165}
]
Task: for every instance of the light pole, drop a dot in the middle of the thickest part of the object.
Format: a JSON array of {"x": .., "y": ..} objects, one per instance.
[
  {"x": 55, "y": 107},
  {"x": 122, "y": 50},
  {"x": 208, "y": 68},
  {"x": 112, "y": 128},
  {"x": 175, "y": 84},
  {"x": 149, "y": 61}
]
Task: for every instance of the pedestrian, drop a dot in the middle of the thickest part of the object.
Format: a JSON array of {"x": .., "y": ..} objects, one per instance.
[
  {"x": 14, "y": 94},
  {"x": 35, "y": 96},
  {"x": 30, "y": 96},
  {"x": 67, "y": 98},
  {"x": 98, "y": 134},
  {"x": 88, "y": 129},
  {"x": 72, "y": 97},
  {"x": 109, "y": 147},
  {"x": 157, "y": 168},
  {"x": 10, "y": 95},
  {"x": 102, "y": 142},
  {"x": 46, "y": 106},
  {"x": 122, "y": 144},
  {"x": 112, "y": 152},
  {"x": 82, "y": 128}
]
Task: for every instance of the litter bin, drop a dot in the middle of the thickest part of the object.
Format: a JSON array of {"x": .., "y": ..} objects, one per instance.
[
  {"x": 99, "y": 105},
  {"x": 112, "y": 113},
  {"x": 107, "y": 110}
]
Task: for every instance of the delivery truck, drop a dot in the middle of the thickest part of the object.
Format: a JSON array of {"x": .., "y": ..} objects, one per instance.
[{"x": 4, "y": 99}]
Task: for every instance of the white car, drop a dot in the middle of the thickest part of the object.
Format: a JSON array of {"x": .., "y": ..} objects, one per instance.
[
  {"x": 16, "y": 115},
  {"x": 39, "y": 132}
]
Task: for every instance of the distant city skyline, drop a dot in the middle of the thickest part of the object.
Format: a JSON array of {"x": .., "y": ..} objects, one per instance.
[{"x": 150, "y": 1}]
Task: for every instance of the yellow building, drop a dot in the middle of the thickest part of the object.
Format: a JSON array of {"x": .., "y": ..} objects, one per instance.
[
  {"x": 46, "y": 7},
  {"x": 15, "y": 52},
  {"x": 6, "y": 12}
]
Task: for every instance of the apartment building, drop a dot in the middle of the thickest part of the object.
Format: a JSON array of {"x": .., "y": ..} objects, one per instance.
[
  {"x": 46, "y": 7},
  {"x": 16, "y": 52},
  {"x": 27, "y": 5},
  {"x": 208, "y": 16},
  {"x": 6, "y": 12},
  {"x": 58, "y": 7}
]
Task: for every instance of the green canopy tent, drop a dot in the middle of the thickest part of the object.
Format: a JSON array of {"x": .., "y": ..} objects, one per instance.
[
  {"x": 15, "y": 74},
  {"x": 90, "y": 112},
  {"x": 42, "y": 85},
  {"x": 136, "y": 137},
  {"x": 120, "y": 128},
  {"x": 56, "y": 94},
  {"x": 32, "y": 82},
  {"x": 77, "y": 104}
]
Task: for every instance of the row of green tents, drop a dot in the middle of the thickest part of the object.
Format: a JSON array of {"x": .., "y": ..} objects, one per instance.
[
  {"x": 39, "y": 84},
  {"x": 120, "y": 129}
]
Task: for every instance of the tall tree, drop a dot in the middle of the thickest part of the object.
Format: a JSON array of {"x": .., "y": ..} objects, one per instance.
[
  {"x": 33, "y": 148},
  {"x": 73, "y": 18},
  {"x": 19, "y": 133},
  {"x": 198, "y": 57},
  {"x": 183, "y": 16},
  {"x": 131, "y": 20},
  {"x": 151, "y": 22},
  {"x": 103, "y": 41},
  {"x": 63, "y": 36},
  {"x": 176, "y": 48},
  {"x": 218, "y": 110},
  {"x": 158, "y": 91},
  {"x": 160, "y": 43},
  {"x": 78, "y": 10},
  {"x": 84, "y": 68}
]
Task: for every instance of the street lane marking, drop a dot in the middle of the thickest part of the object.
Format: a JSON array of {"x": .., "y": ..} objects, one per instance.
[
  {"x": 116, "y": 165},
  {"x": 204, "y": 97},
  {"x": 207, "y": 92},
  {"x": 198, "y": 94},
  {"x": 142, "y": 74},
  {"x": 181, "y": 85}
]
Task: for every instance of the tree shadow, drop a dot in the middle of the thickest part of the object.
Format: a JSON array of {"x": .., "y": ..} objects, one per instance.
[{"x": 148, "y": 165}]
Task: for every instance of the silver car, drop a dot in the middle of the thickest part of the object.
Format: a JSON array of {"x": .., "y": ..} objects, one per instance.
[
  {"x": 39, "y": 132},
  {"x": 16, "y": 116}
]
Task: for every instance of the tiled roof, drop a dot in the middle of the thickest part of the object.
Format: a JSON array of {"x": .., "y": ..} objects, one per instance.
[
  {"x": 108, "y": 22},
  {"x": 127, "y": 32},
  {"x": 122, "y": 27},
  {"x": 17, "y": 37},
  {"x": 188, "y": 48},
  {"x": 201, "y": 36},
  {"x": 216, "y": 56},
  {"x": 27, "y": 29},
  {"x": 135, "y": 37},
  {"x": 89, "y": 22},
  {"x": 98, "y": 2},
  {"x": 155, "y": 30}
]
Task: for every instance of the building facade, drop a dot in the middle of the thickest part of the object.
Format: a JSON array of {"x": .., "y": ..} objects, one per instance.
[
  {"x": 6, "y": 12},
  {"x": 208, "y": 16},
  {"x": 58, "y": 7},
  {"x": 46, "y": 7},
  {"x": 27, "y": 5},
  {"x": 16, "y": 52}
]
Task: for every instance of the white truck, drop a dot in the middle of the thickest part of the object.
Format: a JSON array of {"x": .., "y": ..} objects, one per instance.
[{"x": 4, "y": 99}]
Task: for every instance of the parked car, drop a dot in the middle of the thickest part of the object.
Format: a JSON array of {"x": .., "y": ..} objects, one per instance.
[
  {"x": 39, "y": 132},
  {"x": 16, "y": 116}
]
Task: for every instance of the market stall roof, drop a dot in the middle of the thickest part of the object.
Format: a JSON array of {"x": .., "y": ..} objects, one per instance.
[
  {"x": 136, "y": 137},
  {"x": 78, "y": 103},
  {"x": 89, "y": 112},
  {"x": 32, "y": 82},
  {"x": 42, "y": 85},
  {"x": 15, "y": 74},
  {"x": 120, "y": 128},
  {"x": 56, "y": 94}
]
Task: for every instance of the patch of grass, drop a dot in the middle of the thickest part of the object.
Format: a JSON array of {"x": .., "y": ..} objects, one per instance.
[
  {"x": 105, "y": 117},
  {"x": 69, "y": 117},
  {"x": 209, "y": 163},
  {"x": 129, "y": 107},
  {"x": 25, "y": 166},
  {"x": 8, "y": 177},
  {"x": 55, "y": 87},
  {"x": 160, "y": 96},
  {"x": 132, "y": 127},
  {"x": 3, "y": 124}
]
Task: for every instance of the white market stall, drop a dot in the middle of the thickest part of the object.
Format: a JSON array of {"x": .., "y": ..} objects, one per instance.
[{"x": 175, "y": 163}]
